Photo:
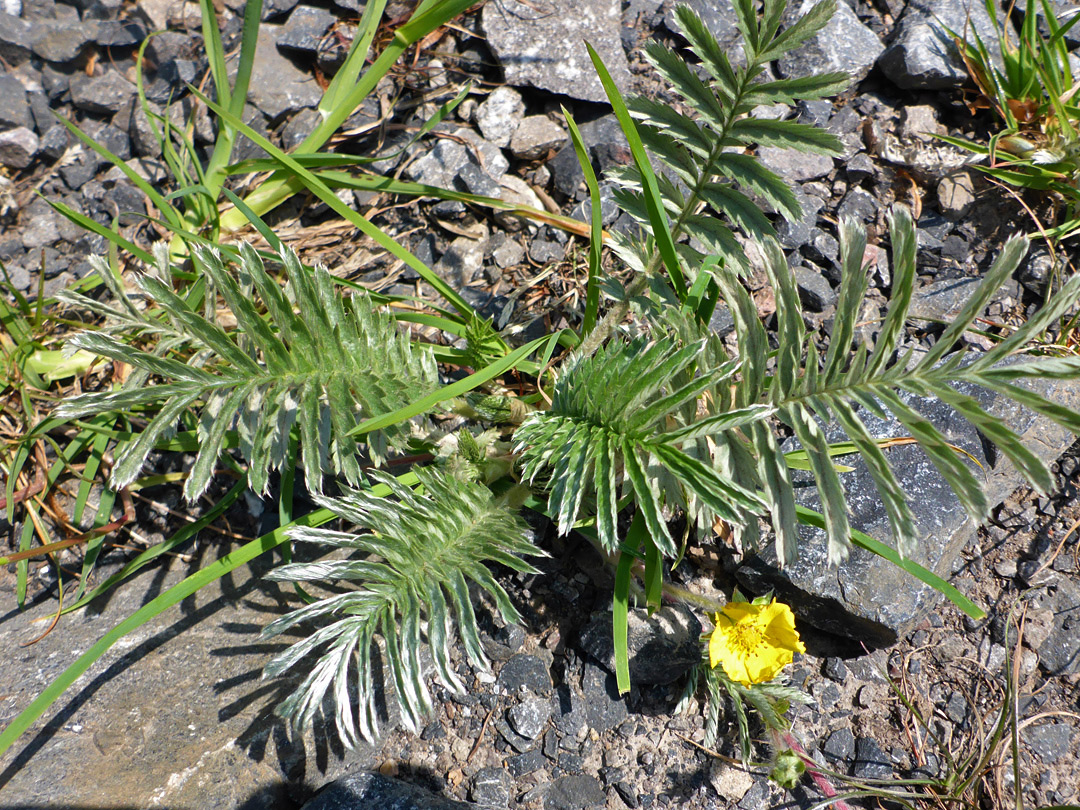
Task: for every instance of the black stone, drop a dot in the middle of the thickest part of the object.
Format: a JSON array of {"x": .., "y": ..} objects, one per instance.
[
  {"x": 835, "y": 669},
  {"x": 525, "y": 671},
  {"x": 574, "y": 792},
  {"x": 371, "y": 790},
  {"x": 492, "y": 786},
  {"x": 526, "y": 763},
  {"x": 604, "y": 707},
  {"x": 840, "y": 745},
  {"x": 870, "y": 761}
]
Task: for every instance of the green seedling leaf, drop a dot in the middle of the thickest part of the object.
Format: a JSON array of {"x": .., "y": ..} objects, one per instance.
[{"x": 53, "y": 365}]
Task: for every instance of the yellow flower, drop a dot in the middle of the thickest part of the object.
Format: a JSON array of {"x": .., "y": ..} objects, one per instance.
[{"x": 754, "y": 642}]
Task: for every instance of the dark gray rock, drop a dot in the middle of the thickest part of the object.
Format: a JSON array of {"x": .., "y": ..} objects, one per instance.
[
  {"x": 118, "y": 33},
  {"x": 840, "y": 745},
  {"x": 59, "y": 41},
  {"x": 278, "y": 87},
  {"x": 604, "y": 707},
  {"x": 507, "y": 251},
  {"x": 859, "y": 168},
  {"x": 522, "y": 764},
  {"x": 169, "y": 45},
  {"x": 662, "y": 647},
  {"x": 793, "y": 165},
  {"x": 859, "y": 204},
  {"x": 574, "y": 792},
  {"x": 80, "y": 171},
  {"x": 207, "y": 739},
  {"x": 134, "y": 120},
  {"x": 815, "y": 292},
  {"x": 14, "y": 111},
  {"x": 1037, "y": 270},
  {"x": 570, "y": 716},
  {"x": 835, "y": 669},
  {"x": 41, "y": 112},
  {"x": 922, "y": 55},
  {"x": 305, "y": 28},
  {"x": 112, "y": 138},
  {"x": 372, "y": 791},
  {"x": 54, "y": 142},
  {"x": 822, "y": 247},
  {"x": 526, "y": 671},
  {"x": 103, "y": 95},
  {"x": 609, "y": 208},
  {"x": 441, "y": 165},
  {"x": 299, "y": 127},
  {"x": 543, "y": 251},
  {"x": 844, "y": 44},
  {"x": 477, "y": 181},
  {"x": 530, "y": 717},
  {"x": 1049, "y": 742},
  {"x": 545, "y": 47},
  {"x": 18, "y": 147},
  {"x": 14, "y": 39},
  {"x": 866, "y": 597},
  {"x": 178, "y": 73},
  {"x": 870, "y": 761},
  {"x": 605, "y": 145},
  {"x": 492, "y": 787},
  {"x": 513, "y": 739}
]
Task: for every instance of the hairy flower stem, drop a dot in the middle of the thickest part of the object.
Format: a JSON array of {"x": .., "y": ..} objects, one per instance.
[
  {"x": 689, "y": 597},
  {"x": 785, "y": 739}
]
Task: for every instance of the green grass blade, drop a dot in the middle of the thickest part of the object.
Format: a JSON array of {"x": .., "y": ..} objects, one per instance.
[
  {"x": 620, "y": 604},
  {"x": 95, "y": 227},
  {"x": 650, "y": 188},
  {"x": 456, "y": 389},
  {"x": 320, "y": 190},
  {"x": 596, "y": 227}
]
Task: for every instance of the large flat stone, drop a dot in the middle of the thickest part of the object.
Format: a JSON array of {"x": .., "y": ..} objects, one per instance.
[
  {"x": 174, "y": 715},
  {"x": 868, "y": 598},
  {"x": 542, "y": 44}
]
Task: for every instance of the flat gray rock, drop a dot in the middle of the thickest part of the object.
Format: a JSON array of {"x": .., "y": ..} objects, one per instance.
[
  {"x": 278, "y": 87},
  {"x": 542, "y": 44},
  {"x": 103, "y": 95},
  {"x": 174, "y": 715},
  {"x": 868, "y": 598},
  {"x": 922, "y": 55}
]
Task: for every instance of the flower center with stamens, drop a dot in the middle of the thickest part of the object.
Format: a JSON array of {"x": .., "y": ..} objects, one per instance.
[{"x": 746, "y": 638}]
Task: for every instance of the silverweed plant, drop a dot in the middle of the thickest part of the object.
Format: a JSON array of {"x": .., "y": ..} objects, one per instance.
[{"x": 614, "y": 429}]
